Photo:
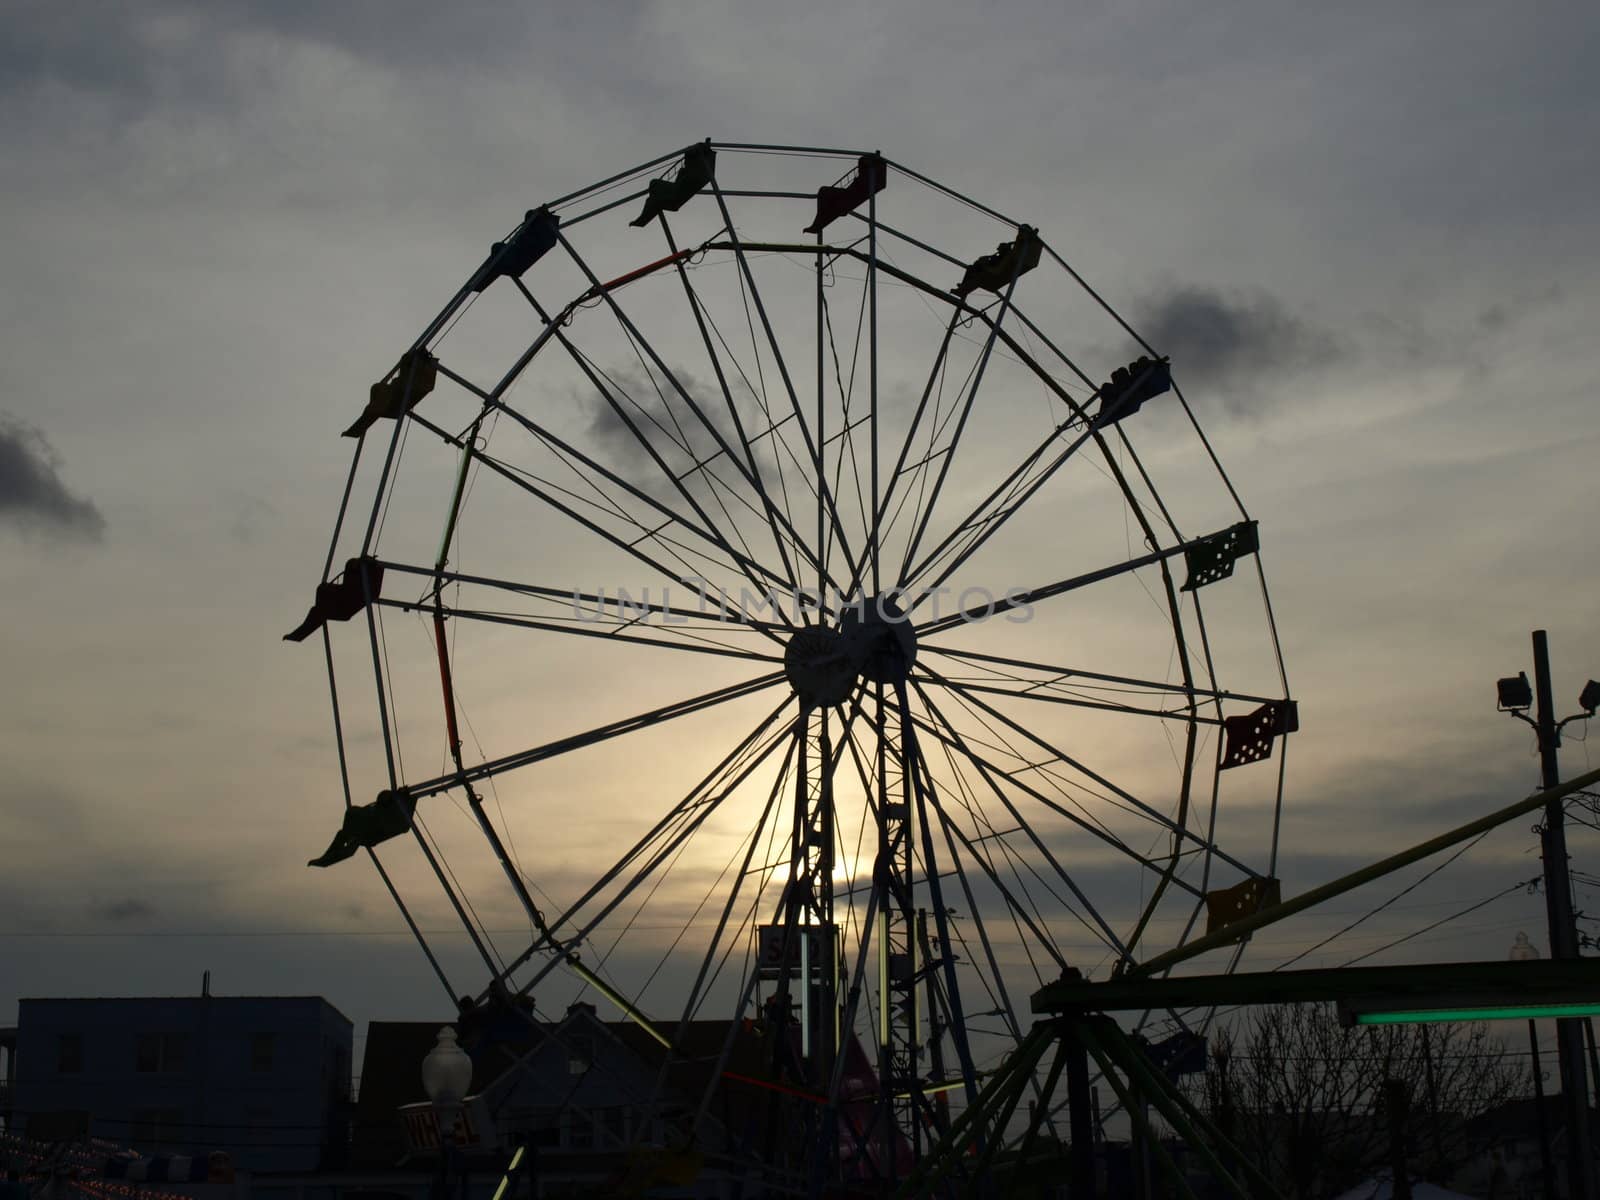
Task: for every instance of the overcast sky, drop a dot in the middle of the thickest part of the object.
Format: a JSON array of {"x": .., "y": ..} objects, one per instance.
[{"x": 1364, "y": 236}]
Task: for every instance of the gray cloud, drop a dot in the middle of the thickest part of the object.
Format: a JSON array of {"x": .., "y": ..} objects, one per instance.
[
  {"x": 1229, "y": 340},
  {"x": 671, "y": 426},
  {"x": 251, "y": 516},
  {"x": 32, "y": 495},
  {"x": 129, "y": 908}
]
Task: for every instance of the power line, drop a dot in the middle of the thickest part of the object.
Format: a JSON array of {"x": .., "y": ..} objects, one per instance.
[
  {"x": 1454, "y": 916},
  {"x": 1375, "y": 911}
]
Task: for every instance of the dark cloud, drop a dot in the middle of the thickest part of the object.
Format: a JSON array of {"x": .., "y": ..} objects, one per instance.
[
  {"x": 173, "y": 50},
  {"x": 661, "y": 417},
  {"x": 1241, "y": 343},
  {"x": 32, "y": 496},
  {"x": 251, "y": 516},
  {"x": 129, "y": 908}
]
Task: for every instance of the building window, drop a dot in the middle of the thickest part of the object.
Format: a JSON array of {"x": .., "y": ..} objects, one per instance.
[
  {"x": 152, "y": 1128},
  {"x": 161, "y": 1053},
  {"x": 580, "y": 1053},
  {"x": 69, "y": 1053},
  {"x": 580, "y": 1130},
  {"x": 262, "y": 1048}
]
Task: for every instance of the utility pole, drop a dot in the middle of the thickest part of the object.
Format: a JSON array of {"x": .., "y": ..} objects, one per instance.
[
  {"x": 1563, "y": 930},
  {"x": 1398, "y": 1106}
]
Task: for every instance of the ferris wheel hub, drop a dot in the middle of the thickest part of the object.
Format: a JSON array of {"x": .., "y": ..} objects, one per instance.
[
  {"x": 874, "y": 641},
  {"x": 819, "y": 666},
  {"x": 880, "y": 639}
]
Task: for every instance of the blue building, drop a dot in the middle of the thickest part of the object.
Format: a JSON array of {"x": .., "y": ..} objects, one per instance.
[{"x": 265, "y": 1078}]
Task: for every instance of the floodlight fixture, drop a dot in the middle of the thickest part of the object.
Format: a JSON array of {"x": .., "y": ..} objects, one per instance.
[
  {"x": 1589, "y": 698},
  {"x": 1516, "y": 693}
]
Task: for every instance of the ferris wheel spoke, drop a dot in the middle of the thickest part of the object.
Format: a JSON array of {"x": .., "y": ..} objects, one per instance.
[
  {"x": 719, "y": 489},
  {"x": 985, "y": 524},
  {"x": 848, "y": 424},
  {"x": 600, "y": 603},
  {"x": 949, "y": 453},
  {"x": 688, "y": 582},
  {"x": 875, "y": 521},
  {"x": 671, "y": 833},
  {"x": 813, "y": 449},
  {"x": 772, "y": 432},
  {"x": 1020, "y": 600},
  {"x": 619, "y": 411},
  {"x": 1055, "y": 673},
  {"x": 618, "y": 617},
  {"x": 714, "y": 944},
  {"x": 679, "y": 551},
  {"x": 986, "y": 517},
  {"x": 1018, "y": 909},
  {"x": 579, "y": 741},
  {"x": 1039, "y": 692},
  {"x": 547, "y": 490},
  {"x": 752, "y": 466},
  {"x": 613, "y": 632},
  {"x": 1058, "y": 755},
  {"x": 642, "y": 343},
  {"x": 997, "y": 976},
  {"x": 991, "y": 772},
  {"x": 994, "y": 740},
  {"x": 709, "y": 960},
  {"x": 1098, "y": 924},
  {"x": 663, "y": 827},
  {"x": 958, "y": 305},
  {"x": 747, "y": 565},
  {"x": 927, "y": 797},
  {"x": 1078, "y": 418}
]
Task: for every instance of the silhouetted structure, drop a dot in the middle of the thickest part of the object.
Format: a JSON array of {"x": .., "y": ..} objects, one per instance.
[
  {"x": 266, "y": 1078},
  {"x": 581, "y": 1092}
]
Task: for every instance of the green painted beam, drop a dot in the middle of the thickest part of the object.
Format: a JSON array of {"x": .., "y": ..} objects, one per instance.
[
  {"x": 1515, "y": 1012},
  {"x": 1237, "y": 930}
]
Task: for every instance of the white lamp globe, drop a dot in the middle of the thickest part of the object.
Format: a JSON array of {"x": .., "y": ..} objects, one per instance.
[{"x": 446, "y": 1071}]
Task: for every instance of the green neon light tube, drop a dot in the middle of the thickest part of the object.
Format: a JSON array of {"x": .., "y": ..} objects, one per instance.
[{"x": 1517, "y": 1012}]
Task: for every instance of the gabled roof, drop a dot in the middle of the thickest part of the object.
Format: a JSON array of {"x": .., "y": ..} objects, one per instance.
[{"x": 391, "y": 1072}]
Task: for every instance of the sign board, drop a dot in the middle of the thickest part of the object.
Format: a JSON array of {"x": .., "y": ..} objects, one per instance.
[
  {"x": 471, "y": 1126},
  {"x": 770, "y": 945}
]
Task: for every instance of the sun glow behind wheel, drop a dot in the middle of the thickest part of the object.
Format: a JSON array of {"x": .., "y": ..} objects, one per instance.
[{"x": 606, "y": 490}]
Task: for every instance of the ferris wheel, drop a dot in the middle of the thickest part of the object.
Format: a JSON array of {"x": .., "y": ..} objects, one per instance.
[{"x": 774, "y": 585}]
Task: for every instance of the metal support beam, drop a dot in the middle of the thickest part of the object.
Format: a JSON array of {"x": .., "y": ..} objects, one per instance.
[{"x": 1238, "y": 930}]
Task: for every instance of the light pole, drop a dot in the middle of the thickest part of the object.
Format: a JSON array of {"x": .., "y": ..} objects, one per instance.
[
  {"x": 1515, "y": 697},
  {"x": 446, "y": 1077}
]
